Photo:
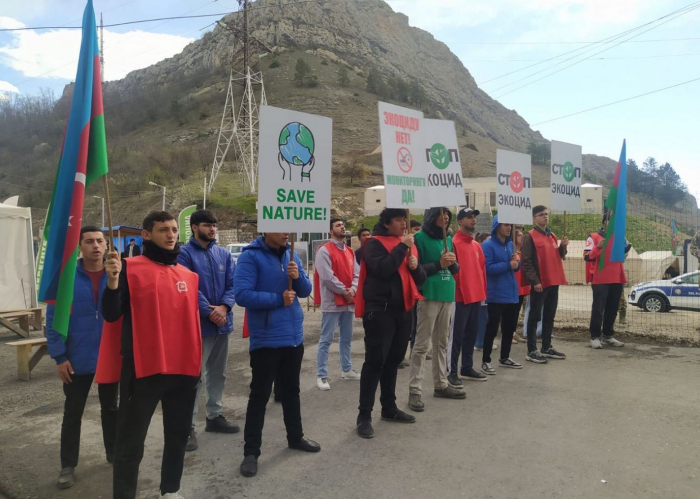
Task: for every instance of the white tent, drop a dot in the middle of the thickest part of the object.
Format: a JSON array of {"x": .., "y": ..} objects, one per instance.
[
  {"x": 655, "y": 263},
  {"x": 17, "y": 275}
]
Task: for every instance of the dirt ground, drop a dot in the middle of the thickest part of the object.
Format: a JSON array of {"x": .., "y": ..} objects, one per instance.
[{"x": 607, "y": 423}]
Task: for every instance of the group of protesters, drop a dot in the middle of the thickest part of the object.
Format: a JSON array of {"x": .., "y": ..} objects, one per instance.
[{"x": 153, "y": 328}]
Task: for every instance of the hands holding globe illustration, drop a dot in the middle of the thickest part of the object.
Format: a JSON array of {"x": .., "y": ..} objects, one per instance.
[{"x": 296, "y": 144}]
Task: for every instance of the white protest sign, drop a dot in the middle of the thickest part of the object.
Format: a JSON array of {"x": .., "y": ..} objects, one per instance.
[
  {"x": 566, "y": 177},
  {"x": 402, "y": 148},
  {"x": 443, "y": 168},
  {"x": 513, "y": 173},
  {"x": 294, "y": 173}
]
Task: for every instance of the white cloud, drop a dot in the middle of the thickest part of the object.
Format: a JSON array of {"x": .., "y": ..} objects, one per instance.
[
  {"x": 7, "y": 87},
  {"x": 54, "y": 54}
]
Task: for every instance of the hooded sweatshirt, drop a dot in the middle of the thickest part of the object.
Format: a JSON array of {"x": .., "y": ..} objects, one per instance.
[
  {"x": 502, "y": 286},
  {"x": 440, "y": 285}
]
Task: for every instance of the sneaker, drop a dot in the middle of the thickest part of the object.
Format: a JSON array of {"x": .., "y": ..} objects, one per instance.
[
  {"x": 536, "y": 357},
  {"x": 404, "y": 363},
  {"x": 519, "y": 338},
  {"x": 220, "y": 425},
  {"x": 66, "y": 478},
  {"x": 473, "y": 375},
  {"x": 478, "y": 349},
  {"x": 351, "y": 374},
  {"x": 415, "y": 402},
  {"x": 495, "y": 346},
  {"x": 192, "y": 441},
  {"x": 323, "y": 384},
  {"x": 612, "y": 342},
  {"x": 364, "y": 427},
  {"x": 595, "y": 343},
  {"x": 172, "y": 495},
  {"x": 249, "y": 466},
  {"x": 398, "y": 417},
  {"x": 553, "y": 354},
  {"x": 509, "y": 363},
  {"x": 454, "y": 381},
  {"x": 449, "y": 393},
  {"x": 486, "y": 368}
]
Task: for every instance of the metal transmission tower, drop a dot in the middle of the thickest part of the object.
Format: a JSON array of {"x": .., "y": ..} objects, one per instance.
[{"x": 240, "y": 128}]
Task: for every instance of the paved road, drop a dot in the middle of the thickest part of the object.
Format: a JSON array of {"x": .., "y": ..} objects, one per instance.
[{"x": 627, "y": 416}]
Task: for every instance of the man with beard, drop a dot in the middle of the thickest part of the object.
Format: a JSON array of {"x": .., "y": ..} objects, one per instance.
[
  {"x": 336, "y": 274},
  {"x": 157, "y": 300},
  {"x": 214, "y": 266}
]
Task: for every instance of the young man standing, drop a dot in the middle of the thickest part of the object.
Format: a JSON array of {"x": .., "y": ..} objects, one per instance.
[
  {"x": 434, "y": 311},
  {"x": 131, "y": 250},
  {"x": 214, "y": 266},
  {"x": 542, "y": 265},
  {"x": 157, "y": 300},
  {"x": 387, "y": 292},
  {"x": 76, "y": 355},
  {"x": 607, "y": 285},
  {"x": 502, "y": 262},
  {"x": 363, "y": 235},
  {"x": 336, "y": 274},
  {"x": 470, "y": 292},
  {"x": 276, "y": 325}
]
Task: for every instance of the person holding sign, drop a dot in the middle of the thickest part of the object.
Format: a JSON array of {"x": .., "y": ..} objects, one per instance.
[
  {"x": 543, "y": 267},
  {"x": 439, "y": 262},
  {"x": 335, "y": 285},
  {"x": 387, "y": 292},
  {"x": 276, "y": 325}
]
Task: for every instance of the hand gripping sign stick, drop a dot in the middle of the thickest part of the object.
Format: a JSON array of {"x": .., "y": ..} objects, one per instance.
[
  {"x": 444, "y": 231},
  {"x": 109, "y": 215},
  {"x": 292, "y": 236}
]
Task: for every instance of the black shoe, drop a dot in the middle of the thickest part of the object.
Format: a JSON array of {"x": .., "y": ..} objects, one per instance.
[
  {"x": 454, "y": 381},
  {"x": 449, "y": 393},
  {"x": 364, "y": 428},
  {"x": 305, "y": 445},
  {"x": 66, "y": 478},
  {"x": 473, "y": 375},
  {"x": 220, "y": 425},
  {"x": 398, "y": 417},
  {"x": 192, "y": 441},
  {"x": 536, "y": 357},
  {"x": 553, "y": 354},
  {"x": 249, "y": 466}
]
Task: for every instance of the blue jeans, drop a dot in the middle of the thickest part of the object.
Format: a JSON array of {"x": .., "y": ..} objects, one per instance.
[
  {"x": 329, "y": 321},
  {"x": 214, "y": 358},
  {"x": 481, "y": 333}
]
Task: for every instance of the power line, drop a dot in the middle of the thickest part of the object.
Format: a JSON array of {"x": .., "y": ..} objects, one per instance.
[
  {"x": 617, "y": 102},
  {"x": 577, "y": 43},
  {"x": 589, "y": 59}
]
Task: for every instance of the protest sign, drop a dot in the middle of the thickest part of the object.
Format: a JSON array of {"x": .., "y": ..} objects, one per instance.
[
  {"x": 443, "y": 168},
  {"x": 566, "y": 177},
  {"x": 183, "y": 222},
  {"x": 513, "y": 174}
]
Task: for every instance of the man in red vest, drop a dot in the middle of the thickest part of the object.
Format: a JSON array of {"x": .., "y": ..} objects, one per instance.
[
  {"x": 607, "y": 285},
  {"x": 387, "y": 292},
  {"x": 336, "y": 274},
  {"x": 543, "y": 268},
  {"x": 161, "y": 346}
]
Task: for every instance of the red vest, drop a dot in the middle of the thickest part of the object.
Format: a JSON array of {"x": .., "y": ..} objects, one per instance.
[
  {"x": 549, "y": 259},
  {"x": 523, "y": 286},
  {"x": 410, "y": 290},
  {"x": 343, "y": 265},
  {"x": 471, "y": 278},
  {"x": 613, "y": 272},
  {"x": 165, "y": 318},
  {"x": 591, "y": 263},
  {"x": 109, "y": 360}
]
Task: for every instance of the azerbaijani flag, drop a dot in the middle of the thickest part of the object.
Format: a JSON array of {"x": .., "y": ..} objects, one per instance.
[
  {"x": 83, "y": 160},
  {"x": 616, "y": 204},
  {"x": 674, "y": 236}
]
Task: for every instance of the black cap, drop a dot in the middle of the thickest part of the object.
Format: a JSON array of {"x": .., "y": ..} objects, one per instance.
[{"x": 467, "y": 212}]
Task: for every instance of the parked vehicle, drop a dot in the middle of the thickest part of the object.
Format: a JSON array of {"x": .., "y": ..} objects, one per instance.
[
  {"x": 681, "y": 292},
  {"x": 236, "y": 249}
]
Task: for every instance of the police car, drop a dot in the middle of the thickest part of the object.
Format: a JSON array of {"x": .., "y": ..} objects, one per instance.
[{"x": 661, "y": 296}]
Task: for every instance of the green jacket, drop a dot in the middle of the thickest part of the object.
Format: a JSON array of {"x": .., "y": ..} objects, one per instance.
[{"x": 440, "y": 285}]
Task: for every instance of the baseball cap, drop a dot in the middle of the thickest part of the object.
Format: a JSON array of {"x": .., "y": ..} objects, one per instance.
[{"x": 467, "y": 212}]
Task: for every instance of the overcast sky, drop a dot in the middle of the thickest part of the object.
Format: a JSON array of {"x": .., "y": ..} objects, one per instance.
[{"x": 491, "y": 37}]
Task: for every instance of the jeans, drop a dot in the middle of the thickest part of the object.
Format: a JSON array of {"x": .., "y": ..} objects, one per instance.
[
  {"x": 544, "y": 303},
  {"x": 481, "y": 332},
  {"x": 433, "y": 325},
  {"x": 527, "y": 317},
  {"x": 505, "y": 315},
  {"x": 606, "y": 300},
  {"x": 140, "y": 397},
  {"x": 386, "y": 337},
  {"x": 76, "y": 396},
  {"x": 214, "y": 357},
  {"x": 329, "y": 321},
  {"x": 283, "y": 367},
  {"x": 466, "y": 325}
]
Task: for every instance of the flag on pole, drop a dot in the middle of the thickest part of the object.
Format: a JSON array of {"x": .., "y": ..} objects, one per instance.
[
  {"x": 616, "y": 204},
  {"x": 674, "y": 236},
  {"x": 83, "y": 160}
]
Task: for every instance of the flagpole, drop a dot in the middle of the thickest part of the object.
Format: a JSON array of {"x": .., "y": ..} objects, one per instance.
[
  {"x": 109, "y": 212},
  {"x": 564, "y": 257},
  {"x": 292, "y": 236},
  {"x": 444, "y": 230}
]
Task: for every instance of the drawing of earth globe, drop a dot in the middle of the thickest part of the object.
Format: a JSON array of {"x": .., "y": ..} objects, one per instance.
[{"x": 296, "y": 144}]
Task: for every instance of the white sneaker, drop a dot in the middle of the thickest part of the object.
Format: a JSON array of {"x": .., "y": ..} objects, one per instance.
[
  {"x": 595, "y": 343},
  {"x": 612, "y": 342},
  {"x": 172, "y": 495},
  {"x": 495, "y": 345},
  {"x": 351, "y": 374},
  {"x": 323, "y": 384}
]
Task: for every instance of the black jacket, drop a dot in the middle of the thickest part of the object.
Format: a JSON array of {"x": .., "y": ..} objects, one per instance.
[{"x": 382, "y": 288}]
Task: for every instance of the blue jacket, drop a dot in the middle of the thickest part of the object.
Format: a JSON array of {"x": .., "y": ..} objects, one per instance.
[
  {"x": 261, "y": 280},
  {"x": 501, "y": 286},
  {"x": 84, "y": 329},
  {"x": 215, "y": 268}
]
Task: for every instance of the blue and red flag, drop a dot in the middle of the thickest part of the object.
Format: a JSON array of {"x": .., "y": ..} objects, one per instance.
[
  {"x": 674, "y": 236},
  {"x": 83, "y": 160},
  {"x": 616, "y": 204}
]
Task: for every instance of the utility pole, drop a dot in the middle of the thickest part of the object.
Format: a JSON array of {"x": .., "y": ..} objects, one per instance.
[{"x": 102, "y": 54}]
